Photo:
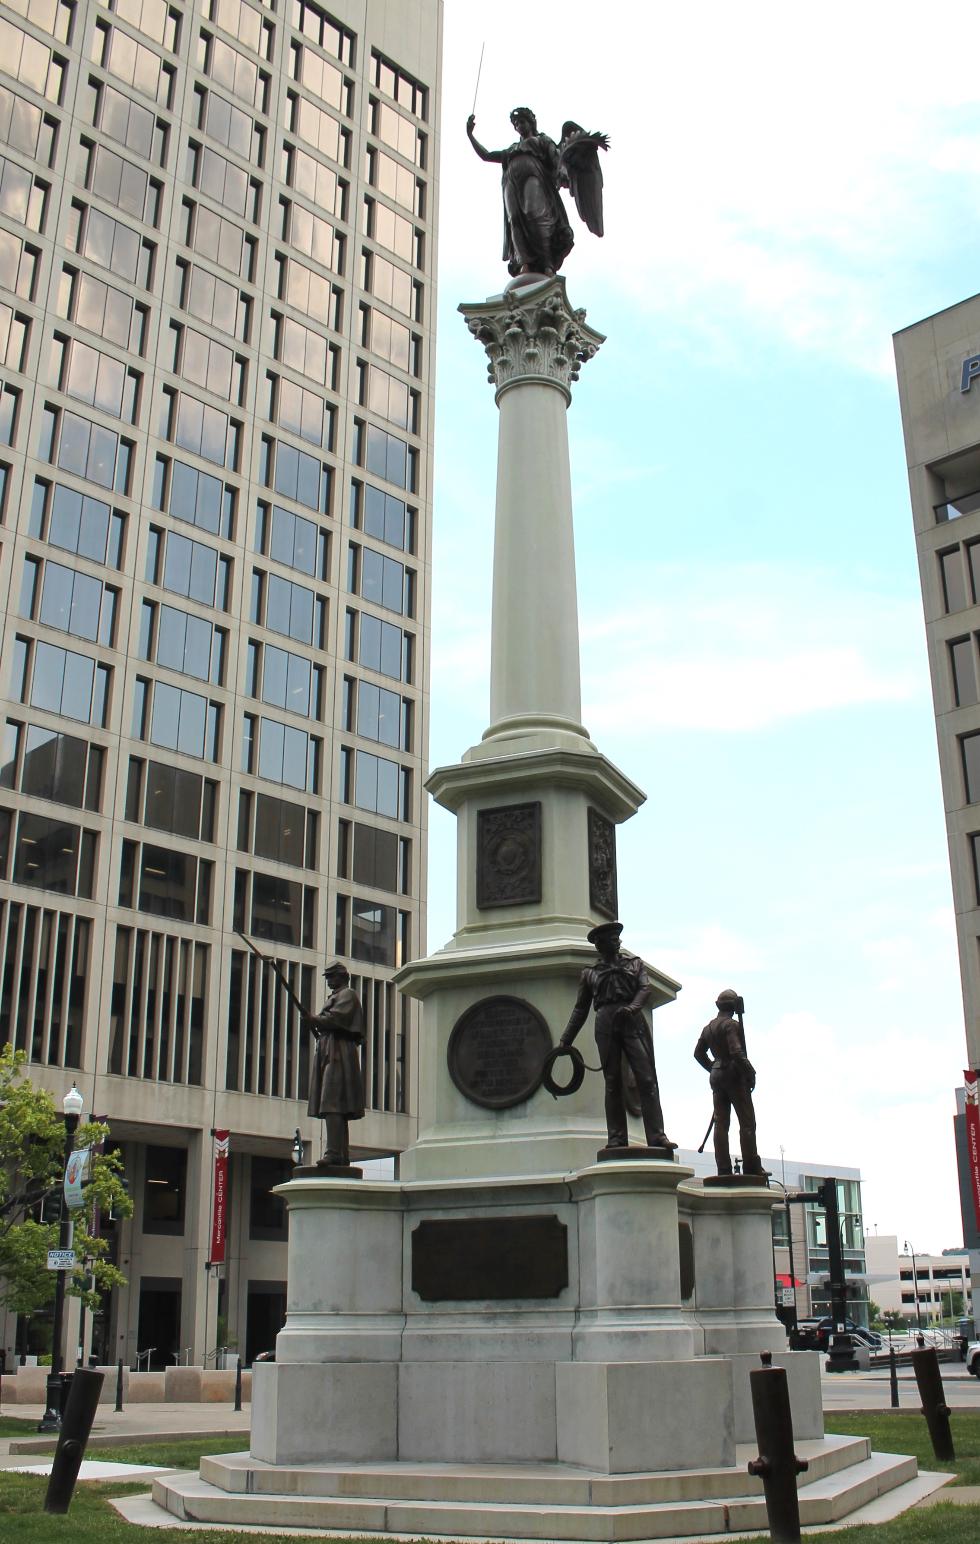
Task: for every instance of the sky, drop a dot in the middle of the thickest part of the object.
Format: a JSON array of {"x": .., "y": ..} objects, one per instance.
[{"x": 786, "y": 187}]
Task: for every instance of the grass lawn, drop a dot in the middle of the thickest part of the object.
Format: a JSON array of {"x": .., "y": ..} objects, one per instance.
[
  {"x": 93, "y": 1521},
  {"x": 901, "y": 1431},
  {"x": 16, "y": 1426},
  {"x": 182, "y": 1453}
]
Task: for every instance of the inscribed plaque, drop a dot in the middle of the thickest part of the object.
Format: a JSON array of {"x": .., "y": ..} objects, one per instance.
[
  {"x": 496, "y": 1052},
  {"x": 467, "y": 1259}
]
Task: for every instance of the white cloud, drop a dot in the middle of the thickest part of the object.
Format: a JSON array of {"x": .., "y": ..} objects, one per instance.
[
  {"x": 743, "y": 648},
  {"x": 781, "y": 168}
]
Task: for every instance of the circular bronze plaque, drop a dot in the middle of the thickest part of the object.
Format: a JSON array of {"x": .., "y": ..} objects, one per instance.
[{"x": 496, "y": 1052}]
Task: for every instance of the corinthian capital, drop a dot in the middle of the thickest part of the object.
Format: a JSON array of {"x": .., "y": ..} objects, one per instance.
[{"x": 531, "y": 333}]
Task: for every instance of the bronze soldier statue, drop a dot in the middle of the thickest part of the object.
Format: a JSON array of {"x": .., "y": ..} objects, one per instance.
[
  {"x": 336, "y": 1080},
  {"x": 619, "y": 988},
  {"x": 721, "y": 1051}
]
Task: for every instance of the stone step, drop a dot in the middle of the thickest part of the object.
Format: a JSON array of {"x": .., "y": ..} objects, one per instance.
[
  {"x": 826, "y": 1499},
  {"x": 557, "y": 1484}
]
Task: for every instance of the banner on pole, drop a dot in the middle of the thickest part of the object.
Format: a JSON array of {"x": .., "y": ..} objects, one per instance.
[
  {"x": 219, "y": 1210},
  {"x": 971, "y": 1080},
  {"x": 76, "y": 1174}
]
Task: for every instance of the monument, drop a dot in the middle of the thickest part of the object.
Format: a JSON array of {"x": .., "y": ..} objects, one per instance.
[{"x": 516, "y": 1338}]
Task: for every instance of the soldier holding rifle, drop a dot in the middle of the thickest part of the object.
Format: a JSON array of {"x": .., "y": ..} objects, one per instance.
[{"x": 336, "y": 1079}]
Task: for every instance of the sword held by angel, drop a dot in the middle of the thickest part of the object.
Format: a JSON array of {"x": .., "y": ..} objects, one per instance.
[{"x": 537, "y": 233}]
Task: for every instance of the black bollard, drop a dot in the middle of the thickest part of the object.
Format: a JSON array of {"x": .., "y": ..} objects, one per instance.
[
  {"x": 119, "y": 1386},
  {"x": 777, "y": 1465},
  {"x": 934, "y": 1406},
  {"x": 83, "y": 1401},
  {"x": 238, "y": 1385},
  {"x": 893, "y": 1376}
]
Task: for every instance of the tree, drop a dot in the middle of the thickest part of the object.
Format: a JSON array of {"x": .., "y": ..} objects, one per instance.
[
  {"x": 892, "y": 1319},
  {"x": 953, "y": 1304},
  {"x": 875, "y": 1319},
  {"x": 32, "y": 1151}
]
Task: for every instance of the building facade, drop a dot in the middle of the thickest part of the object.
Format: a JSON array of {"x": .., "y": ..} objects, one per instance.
[
  {"x": 939, "y": 389},
  {"x": 217, "y": 262},
  {"x": 924, "y": 1289},
  {"x": 800, "y": 1259}
]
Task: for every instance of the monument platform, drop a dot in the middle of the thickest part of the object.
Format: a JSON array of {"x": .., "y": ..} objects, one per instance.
[{"x": 528, "y": 1501}]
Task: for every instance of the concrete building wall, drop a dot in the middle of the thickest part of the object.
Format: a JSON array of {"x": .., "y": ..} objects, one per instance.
[
  {"x": 218, "y": 252},
  {"x": 938, "y": 363},
  {"x": 895, "y": 1288}
]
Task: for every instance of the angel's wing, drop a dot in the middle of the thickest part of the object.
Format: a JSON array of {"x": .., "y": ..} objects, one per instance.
[{"x": 578, "y": 159}]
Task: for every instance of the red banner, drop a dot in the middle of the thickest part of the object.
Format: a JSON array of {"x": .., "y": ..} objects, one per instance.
[
  {"x": 972, "y": 1082},
  {"x": 219, "y": 1208}
]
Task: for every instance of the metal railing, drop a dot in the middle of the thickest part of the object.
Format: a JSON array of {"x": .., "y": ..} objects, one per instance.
[{"x": 140, "y": 1355}]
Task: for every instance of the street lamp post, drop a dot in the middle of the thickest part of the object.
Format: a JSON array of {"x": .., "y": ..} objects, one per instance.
[
  {"x": 915, "y": 1286},
  {"x": 51, "y": 1419}
]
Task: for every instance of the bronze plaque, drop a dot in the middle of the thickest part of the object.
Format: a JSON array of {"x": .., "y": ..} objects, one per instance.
[
  {"x": 496, "y": 1052},
  {"x": 464, "y": 1259},
  {"x": 603, "y": 896},
  {"x": 508, "y": 855}
]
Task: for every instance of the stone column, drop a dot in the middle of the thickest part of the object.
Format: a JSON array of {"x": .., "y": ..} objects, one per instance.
[
  {"x": 536, "y": 802},
  {"x": 536, "y": 345}
]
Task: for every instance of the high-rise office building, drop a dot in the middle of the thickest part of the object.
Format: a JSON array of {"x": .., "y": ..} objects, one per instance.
[
  {"x": 939, "y": 389},
  {"x": 217, "y": 260}
]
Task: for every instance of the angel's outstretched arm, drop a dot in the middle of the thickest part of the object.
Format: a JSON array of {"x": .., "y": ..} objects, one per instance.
[{"x": 482, "y": 152}]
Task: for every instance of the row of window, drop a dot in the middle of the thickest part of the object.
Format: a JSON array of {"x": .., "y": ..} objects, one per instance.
[
  {"x": 100, "y": 308},
  {"x": 65, "y": 769},
  {"x": 164, "y": 881},
  {"x": 68, "y": 683},
  {"x": 47, "y": 854}
]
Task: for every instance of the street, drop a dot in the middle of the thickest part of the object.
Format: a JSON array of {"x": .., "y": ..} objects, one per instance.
[{"x": 872, "y": 1391}]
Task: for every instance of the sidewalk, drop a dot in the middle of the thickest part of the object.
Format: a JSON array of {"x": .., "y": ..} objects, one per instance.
[{"x": 138, "y": 1423}]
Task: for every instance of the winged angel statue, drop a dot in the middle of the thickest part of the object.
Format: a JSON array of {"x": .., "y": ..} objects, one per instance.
[{"x": 537, "y": 235}]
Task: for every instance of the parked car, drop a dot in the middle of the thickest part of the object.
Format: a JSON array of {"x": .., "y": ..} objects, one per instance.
[
  {"x": 973, "y": 1358},
  {"x": 815, "y": 1334}
]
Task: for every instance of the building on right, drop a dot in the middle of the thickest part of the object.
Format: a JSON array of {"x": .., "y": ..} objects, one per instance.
[
  {"x": 938, "y": 363},
  {"x": 924, "y": 1288}
]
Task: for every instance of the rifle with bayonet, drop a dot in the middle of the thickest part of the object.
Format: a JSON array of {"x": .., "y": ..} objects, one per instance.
[{"x": 274, "y": 967}]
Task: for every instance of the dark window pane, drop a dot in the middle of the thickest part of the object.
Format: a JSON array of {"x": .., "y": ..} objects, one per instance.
[
  {"x": 46, "y": 854},
  {"x": 165, "y": 1190},
  {"x": 372, "y": 932},
  {"x": 970, "y": 747},
  {"x": 964, "y": 673},
  {"x": 167, "y": 883},
  {"x": 277, "y": 909},
  {"x": 954, "y": 584}
]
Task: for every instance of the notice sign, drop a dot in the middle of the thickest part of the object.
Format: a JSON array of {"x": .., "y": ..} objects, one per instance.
[
  {"x": 61, "y": 1259},
  {"x": 219, "y": 1212},
  {"x": 971, "y": 1081}
]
